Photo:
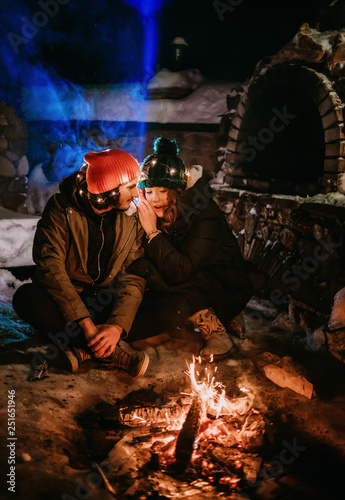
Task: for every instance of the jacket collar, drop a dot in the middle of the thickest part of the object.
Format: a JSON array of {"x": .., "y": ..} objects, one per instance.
[{"x": 192, "y": 201}]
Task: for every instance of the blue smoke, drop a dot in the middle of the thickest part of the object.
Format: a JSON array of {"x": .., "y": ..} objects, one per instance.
[
  {"x": 148, "y": 10},
  {"x": 103, "y": 42}
]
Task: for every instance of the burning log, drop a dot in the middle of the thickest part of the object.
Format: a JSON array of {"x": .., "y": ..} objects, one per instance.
[
  {"x": 160, "y": 416},
  {"x": 188, "y": 433}
]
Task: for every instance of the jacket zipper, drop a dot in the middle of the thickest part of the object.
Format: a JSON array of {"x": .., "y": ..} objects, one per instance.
[
  {"x": 123, "y": 248},
  {"x": 69, "y": 223},
  {"x": 99, "y": 253},
  {"x": 100, "y": 250}
]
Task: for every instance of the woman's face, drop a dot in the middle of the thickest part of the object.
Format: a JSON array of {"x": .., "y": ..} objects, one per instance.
[{"x": 158, "y": 199}]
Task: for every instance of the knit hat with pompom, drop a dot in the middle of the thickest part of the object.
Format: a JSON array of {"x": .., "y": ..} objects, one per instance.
[
  {"x": 163, "y": 168},
  {"x": 108, "y": 169}
]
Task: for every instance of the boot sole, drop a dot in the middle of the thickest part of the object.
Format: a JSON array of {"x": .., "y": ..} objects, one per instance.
[
  {"x": 217, "y": 357},
  {"x": 70, "y": 360},
  {"x": 143, "y": 367}
]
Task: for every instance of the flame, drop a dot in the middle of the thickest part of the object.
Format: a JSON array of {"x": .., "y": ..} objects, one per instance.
[
  {"x": 213, "y": 393},
  {"x": 140, "y": 419},
  {"x": 222, "y": 423}
]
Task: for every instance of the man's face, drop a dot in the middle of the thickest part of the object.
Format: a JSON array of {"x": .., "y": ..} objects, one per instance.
[{"x": 127, "y": 192}]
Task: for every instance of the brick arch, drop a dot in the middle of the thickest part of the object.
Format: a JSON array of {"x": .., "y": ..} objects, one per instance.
[{"x": 321, "y": 116}]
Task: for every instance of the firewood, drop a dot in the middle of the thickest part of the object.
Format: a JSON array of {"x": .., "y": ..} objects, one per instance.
[
  {"x": 188, "y": 433},
  {"x": 281, "y": 372},
  {"x": 135, "y": 416}
]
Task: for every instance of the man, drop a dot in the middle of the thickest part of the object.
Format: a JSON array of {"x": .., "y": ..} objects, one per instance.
[{"x": 83, "y": 244}]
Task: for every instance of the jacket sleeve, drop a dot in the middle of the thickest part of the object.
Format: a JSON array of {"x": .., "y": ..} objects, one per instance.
[
  {"x": 128, "y": 289},
  {"x": 200, "y": 244},
  {"x": 50, "y": 249}
]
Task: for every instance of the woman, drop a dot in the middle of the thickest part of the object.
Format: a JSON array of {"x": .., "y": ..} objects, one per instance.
[{"x": 193, "y": 265}]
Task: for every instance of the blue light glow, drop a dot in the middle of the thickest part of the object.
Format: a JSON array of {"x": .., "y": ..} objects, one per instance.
[{"x": 111, "y": 34}]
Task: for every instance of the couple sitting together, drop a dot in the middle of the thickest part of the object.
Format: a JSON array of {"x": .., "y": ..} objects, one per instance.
[{"x": 107, "y": 270}]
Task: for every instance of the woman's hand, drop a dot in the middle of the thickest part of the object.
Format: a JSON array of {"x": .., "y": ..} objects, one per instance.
[{"x": 147, "y": 216}]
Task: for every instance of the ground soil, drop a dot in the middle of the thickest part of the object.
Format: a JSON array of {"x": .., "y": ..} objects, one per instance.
[{"x": 58, "y": 436}]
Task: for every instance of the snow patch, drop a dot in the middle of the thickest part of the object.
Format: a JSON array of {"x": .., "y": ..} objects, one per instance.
[
  {"x": 11, "y": 327},
  {"x": 125, "y": 103},
  {"x": 186, "y": 79},
  {"x": 17, "y": 233},
  {"x": 39, "y": 190}
]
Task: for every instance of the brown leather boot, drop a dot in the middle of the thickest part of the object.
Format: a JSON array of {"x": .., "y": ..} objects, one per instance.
[
  {"x": 74, "y": 357},
  {"x": 133, "y": 362},
  {"x": 218, "y": 343}
]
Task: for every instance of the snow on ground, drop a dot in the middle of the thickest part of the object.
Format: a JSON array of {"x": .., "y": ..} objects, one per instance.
[
  {"x": 11, "y": 327},
  {"x": 16, "y": 237},
  {"x": 337, "y": 199}
]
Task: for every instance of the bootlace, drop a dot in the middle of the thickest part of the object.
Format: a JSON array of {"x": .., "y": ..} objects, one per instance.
[
  {"x": 123, "y": 358},
  {"x": 82, "y": 354}
]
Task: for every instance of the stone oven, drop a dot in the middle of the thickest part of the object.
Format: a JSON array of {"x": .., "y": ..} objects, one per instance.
[
  {"x": 286, "y": 126},
  {"x": 281, "y": 181}
]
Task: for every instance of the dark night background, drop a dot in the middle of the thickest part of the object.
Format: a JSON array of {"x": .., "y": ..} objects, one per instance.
[{"x": 102, "y": 42}]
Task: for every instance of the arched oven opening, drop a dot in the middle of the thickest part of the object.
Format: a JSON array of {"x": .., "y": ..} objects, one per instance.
[{"x": 283, "y": 139}]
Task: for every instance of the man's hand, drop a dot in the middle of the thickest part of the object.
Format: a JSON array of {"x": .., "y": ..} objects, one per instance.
[{"x": 104, "y": 342}]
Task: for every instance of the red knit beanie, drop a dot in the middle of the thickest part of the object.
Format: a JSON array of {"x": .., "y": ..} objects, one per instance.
[{"x": 108, "y": 169}]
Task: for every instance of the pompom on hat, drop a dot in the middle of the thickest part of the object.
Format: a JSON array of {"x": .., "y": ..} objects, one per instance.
[
  {"x": 109, "y": 169},
  {"x": 163, "y": 168}
]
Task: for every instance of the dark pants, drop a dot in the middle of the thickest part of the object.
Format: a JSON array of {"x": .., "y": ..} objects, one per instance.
[
  {"x": 157, "y": 313},
  {"x": 33, "y": 304},
  {"x": 167, "y": 311}
]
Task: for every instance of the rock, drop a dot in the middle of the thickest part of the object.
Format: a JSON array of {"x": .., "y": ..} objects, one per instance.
[
  {"x": 337, "y": 319},
  {"x": 13, "y": 200},
  {"x": 3, "y": 144},
  {"x": 281, "y": 372},
  {"x": 253, "y": 431},
  {"x": 23, "y": 166},
  {"x": 13, "y": 132},
  {"x": 18, "y": 185},
  {"x": 336, "y": 342},
  {"x": 251, "y": 467},
  {"x": 17, "y": 148},
  {"x": 305, "y": 45},
  {"x": 3, "y": 120},
  {"x": 8, "y": 113},
  {"x": 22, "y": 209},
  {"x": 26, "y": 457},
  {"x": 335, "y": 62},
  {"x": 7, "y": 169}
]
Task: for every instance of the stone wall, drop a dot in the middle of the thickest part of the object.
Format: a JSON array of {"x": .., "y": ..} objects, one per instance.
[
  {"x": 295, "y": 245},
  {"x": 14, "y": 165}
]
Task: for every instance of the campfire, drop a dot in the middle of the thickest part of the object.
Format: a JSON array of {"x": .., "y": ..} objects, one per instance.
[{"x": 201, "y": 439}]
